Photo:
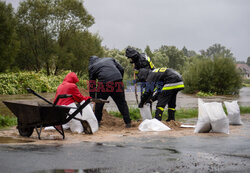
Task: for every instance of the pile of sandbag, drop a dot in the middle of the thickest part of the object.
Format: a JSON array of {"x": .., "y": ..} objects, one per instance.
[{"x": 212, "y": 118}]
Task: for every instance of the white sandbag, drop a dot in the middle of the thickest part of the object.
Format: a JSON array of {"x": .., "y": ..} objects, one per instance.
[
  {"x": 88, "y": 115},
  {"x": 203, "y": 124},
  {"x": 65, "y": 127},
  {"x": 145, "y": 112},
  {"x": 152, "y": 125},
  {"x": 233, "y": 111},
  {"x": 75, "y": 125},
  {"x": 218, "y": 118}
]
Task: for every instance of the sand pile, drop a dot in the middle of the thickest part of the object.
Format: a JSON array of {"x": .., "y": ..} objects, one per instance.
[{"x": 110, "y": 122}]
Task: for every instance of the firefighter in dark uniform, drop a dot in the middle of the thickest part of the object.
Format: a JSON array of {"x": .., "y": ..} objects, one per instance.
[
  {"x": 168, "y": 83},
  {"x": 109, "y": 74},
  {"x": 139, "y": 60}
]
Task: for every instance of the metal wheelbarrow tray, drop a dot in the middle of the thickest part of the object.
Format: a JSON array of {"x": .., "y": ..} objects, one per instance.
[{"x": 32, "y": 115}]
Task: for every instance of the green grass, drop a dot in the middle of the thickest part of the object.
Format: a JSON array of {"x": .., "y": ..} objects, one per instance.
[
  {"x": 180, "y": 113},
  {"x": 7, "y": 121},
  {"x": 244, "y": 109}
]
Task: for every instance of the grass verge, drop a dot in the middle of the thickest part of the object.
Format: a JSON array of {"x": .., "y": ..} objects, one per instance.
[
  {"x": 180, "y": 113},
  {"x": 7, "y": 121}
]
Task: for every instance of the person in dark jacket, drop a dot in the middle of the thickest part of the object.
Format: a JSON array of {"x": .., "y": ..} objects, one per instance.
[
  {"x": 139, "y": 60},
  {"x": 109, "y": 74},
  {"x": 168, "y": 83}
]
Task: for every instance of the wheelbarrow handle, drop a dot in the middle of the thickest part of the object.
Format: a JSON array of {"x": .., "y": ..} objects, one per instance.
[
  {"x": 33, "y": 92},
  {"x": 60, "y": 97}
]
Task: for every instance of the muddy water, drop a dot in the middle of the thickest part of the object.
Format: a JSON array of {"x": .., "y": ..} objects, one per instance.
[
  {"x": 183, "y": 100},
  {"x": 5, "y": 111},
  {"x": 10, "y": 140}
]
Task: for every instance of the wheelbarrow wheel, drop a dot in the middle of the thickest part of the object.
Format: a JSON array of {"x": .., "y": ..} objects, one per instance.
[{"x": 25, "y": 131}]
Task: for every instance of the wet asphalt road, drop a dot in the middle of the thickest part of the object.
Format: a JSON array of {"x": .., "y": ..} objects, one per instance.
[{"x": 226, "y": 153}]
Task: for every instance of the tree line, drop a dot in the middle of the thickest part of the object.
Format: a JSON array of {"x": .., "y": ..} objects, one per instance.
[
  {"x": 53, "y": 36},
  {"x": 50, "y": 35}
]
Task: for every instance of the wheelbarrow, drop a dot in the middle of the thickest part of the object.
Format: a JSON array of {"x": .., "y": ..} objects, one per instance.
[{"x": 35, "y": 115}]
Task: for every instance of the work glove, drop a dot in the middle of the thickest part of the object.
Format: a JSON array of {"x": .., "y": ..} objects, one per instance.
[{"x": 140, "y": 105}]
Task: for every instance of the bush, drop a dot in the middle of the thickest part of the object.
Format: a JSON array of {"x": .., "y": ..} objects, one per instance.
[
  {"x": 16, "y": 83},
  {"x": 7, "y": 121},
  {"x": 218, "y": 75}
]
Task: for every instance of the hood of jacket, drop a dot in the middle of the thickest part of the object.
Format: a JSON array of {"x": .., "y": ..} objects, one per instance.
[
  {"x": 143, "y": 74},
  {"x": 92, "y": 60},
  {"x": 71, "y": 78}
]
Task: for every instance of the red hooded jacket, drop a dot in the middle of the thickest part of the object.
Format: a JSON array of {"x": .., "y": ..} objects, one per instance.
[{"x": 68, "y": 86}]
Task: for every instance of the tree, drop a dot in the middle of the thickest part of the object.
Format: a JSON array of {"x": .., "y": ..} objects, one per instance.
[
  {"x": 176, "y": 57},
  {"x": 83, "y": 44},
  {"x": 148, "y": 52},
  {"x": 248, "y": 61},
  {"x": 218, "y": 75},
  {"x": 46, "y": 27},
  {"x": 188, "y": 53},
  {"x": 122, "y": 59},
  {"x": 8, "y": 41},
  {"x": 217, "y": 50},
  {"x": 160, "y": 59}
]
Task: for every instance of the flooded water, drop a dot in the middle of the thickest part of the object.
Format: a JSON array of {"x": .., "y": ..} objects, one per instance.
[{"x": 5, "y": 111}]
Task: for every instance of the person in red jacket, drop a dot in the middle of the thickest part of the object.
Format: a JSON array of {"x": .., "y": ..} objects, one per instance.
[{"x": 68, "y": 86}]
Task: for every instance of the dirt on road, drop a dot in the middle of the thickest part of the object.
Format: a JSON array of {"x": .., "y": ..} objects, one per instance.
[{"x": 113, "y": 129}]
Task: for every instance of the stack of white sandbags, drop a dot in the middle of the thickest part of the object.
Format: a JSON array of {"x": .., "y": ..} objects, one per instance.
[{"x": 211, "y": 118}]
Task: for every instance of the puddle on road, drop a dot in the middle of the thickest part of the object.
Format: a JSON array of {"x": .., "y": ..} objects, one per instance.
[
  {"x": 8, "y": 140},
  {"x": 94, "y": 170}
]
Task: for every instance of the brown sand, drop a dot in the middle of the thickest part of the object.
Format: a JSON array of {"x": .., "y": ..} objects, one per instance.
[{"x": 113, "y": 129}]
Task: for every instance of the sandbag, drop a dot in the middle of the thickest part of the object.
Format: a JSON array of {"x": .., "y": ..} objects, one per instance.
[
  {"x": 203, "y": 124},
  {"x": 152, "y": 125},
  {"x": 218, "y": 118},
  {"x": 75, "y": 125},
  {"x": 89, "y": 116},
  {"x": 212, "y": 118},
  {"x": 145, "y": 112},
  {"x": 233, "y": 111}
]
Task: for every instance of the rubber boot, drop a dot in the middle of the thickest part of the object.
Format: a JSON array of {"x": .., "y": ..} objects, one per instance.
[
  {"x": 158, "y": 114},
  {"x": 171, "y": 115}
]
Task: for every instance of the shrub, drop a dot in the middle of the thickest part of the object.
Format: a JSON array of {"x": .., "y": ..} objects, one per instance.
[
  {"x": 16, "y": 83},
  {"x": 7, "y": 121},
  {"x": 218, "y": 75}
]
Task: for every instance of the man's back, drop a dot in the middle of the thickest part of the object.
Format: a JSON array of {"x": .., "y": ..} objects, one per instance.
[{"x": 105, "y": 69}]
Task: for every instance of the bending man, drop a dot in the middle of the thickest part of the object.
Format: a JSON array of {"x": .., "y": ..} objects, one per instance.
[
  {"x": 168, "y": 83},
  {"x": 109, "y": 74}
]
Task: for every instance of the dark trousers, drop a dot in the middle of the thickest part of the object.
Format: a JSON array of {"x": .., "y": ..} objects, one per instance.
[
  {"x": 118, "y": 95},
  {"x": 166, "y": 97}
]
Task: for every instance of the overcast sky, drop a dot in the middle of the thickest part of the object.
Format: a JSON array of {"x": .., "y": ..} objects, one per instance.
[{"x": 196, "y": 24}]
